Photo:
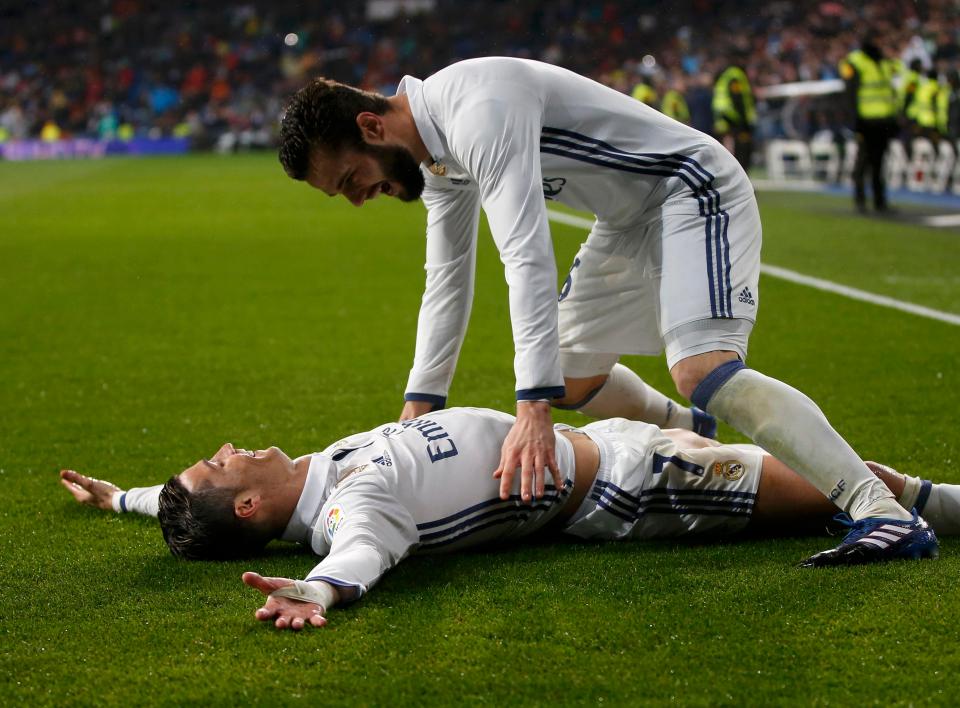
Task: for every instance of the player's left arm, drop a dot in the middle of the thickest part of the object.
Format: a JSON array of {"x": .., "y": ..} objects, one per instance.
[
  {"x": 498, "y": 141},
  {"x": 100, "y": 494}
]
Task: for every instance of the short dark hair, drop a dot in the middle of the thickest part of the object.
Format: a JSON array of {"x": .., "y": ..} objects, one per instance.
[
  {"x": 323, "y": 114},
  {"x": 202, "y": 525}
]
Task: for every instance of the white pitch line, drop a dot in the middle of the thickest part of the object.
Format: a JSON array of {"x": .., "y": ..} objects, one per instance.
[
  {"x": 809, "y": 281},
  {"x": 942, "y": 220}
]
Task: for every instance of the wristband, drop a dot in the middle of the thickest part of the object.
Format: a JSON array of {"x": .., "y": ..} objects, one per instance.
[
  {"x": 116, "y": 501},
  {"x": 534, "y": 400}
]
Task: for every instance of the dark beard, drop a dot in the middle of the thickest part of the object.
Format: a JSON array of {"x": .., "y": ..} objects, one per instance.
[{"x": 399, "y": 165}]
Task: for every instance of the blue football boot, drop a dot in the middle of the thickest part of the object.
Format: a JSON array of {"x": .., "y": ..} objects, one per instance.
[
  {"x": 877, "y": 540},
  {"x": 703, "y": 423}
]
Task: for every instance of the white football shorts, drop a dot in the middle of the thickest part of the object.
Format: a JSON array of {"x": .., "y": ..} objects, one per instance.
[
  {"x": 648, "y": 486},
  {"x": 685, "y": 281}
]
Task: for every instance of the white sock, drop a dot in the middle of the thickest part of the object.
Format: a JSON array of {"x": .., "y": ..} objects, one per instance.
[
  {"x": 791, "y": 427},
  {"x": 625, "y": 395},
  {"x": 938, "y": 504}
]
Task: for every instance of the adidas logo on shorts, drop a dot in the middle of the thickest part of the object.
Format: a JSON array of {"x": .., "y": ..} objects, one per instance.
[{"x": 746, "y": 296}]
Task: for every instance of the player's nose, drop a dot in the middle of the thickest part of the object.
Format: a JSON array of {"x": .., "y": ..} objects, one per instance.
[{"x": 226, "y": 450}]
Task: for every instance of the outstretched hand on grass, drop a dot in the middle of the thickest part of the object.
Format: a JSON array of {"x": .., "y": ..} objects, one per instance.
[
  {"x": 89, "y": 491},
  {"x": 286, "y": 612}
]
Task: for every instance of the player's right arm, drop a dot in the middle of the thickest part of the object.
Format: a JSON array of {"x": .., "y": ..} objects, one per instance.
[
  {"x": 107, "y": 496},
  {"x": 452, "y": 218},
  {"x": 368, "y": 531}
]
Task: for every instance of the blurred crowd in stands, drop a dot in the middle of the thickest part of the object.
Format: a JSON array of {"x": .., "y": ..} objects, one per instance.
[{"x": 221, "y": 71}]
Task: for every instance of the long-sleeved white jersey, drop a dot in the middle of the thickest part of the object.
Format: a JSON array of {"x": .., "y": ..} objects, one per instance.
[
  {"x": 505, "y": 134},
  {"x": 423, "y": 485}
]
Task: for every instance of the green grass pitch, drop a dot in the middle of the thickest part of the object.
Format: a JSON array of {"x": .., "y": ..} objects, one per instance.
[{"x": 153, "y": 309}]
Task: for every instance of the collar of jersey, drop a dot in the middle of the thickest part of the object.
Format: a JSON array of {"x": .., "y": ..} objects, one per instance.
[
  {"x": 413, "y": 89},
  {"x": 316, "y": 486}
]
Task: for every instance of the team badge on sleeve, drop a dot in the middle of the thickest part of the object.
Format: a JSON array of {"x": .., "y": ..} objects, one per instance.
[{"x": 334, "y": 521}]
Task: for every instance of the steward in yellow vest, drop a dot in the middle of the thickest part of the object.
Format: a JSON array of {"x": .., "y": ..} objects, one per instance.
[
  {"x": 910, "y": 81},
  {"x": 645, "y": 93},
  {"x": 869, "y": 86},
  {"x": 926, "y": 102},
  {"x": 675, "y": 106},
  {"x": 734, "y": 113}
]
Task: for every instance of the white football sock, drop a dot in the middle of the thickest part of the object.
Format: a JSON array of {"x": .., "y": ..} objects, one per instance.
[
  {"x": 625, "y": 395},
  {"x": 938, "y": 504},
  {"x": 791, "y": 427}
]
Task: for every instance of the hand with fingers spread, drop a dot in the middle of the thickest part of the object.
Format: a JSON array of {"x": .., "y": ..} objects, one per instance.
[
  {"x": 89, "y": 491},
  {"x": 531, "y": 447},
  {"x": 287, "y": 612}
]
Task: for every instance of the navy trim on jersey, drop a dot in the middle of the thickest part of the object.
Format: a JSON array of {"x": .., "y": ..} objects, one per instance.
[
  {"x": 548, "y": 490},
  {"x": 535, "y": 394},
  {"x": 438, "y": 402},
  {"x": 338, "y": 454},
  {"x": 339, "y": 584},
  {"x": 540, "y": 505},
  {"x": 576, "y": 146},
  {"x": 492, "y": 512},
  {"x": 123, "y": 502},
  {"x": 476, "y": 529}
]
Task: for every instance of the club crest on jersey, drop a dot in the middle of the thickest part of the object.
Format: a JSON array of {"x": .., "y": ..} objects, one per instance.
[
  {"x": 333, "y": 521},
  {"x": 731, "y": 470},
  {"x": 438, "y": 168}
]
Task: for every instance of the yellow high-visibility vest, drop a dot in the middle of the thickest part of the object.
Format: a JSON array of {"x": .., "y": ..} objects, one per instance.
[
  {"x": 943, "y": 109},
  {"x": 644, "y": 94},
  {"x": 731, "y": 82},
  {"x": 926, "y": 100},
  {"x": 876, "y": 98},
  {"x": 675, "y": 106},
  {"x": 907, "y": 93}
]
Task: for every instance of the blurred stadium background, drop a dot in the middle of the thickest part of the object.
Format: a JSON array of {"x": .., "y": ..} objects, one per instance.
[
  {"x": 139, "y": 76},
  {"x": 153, "y": 308}
]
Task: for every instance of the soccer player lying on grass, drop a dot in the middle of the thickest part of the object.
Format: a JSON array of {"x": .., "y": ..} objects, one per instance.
[{"x": 367, "y": 502}]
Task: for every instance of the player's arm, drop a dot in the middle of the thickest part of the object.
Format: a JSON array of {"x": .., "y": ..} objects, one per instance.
[
  {"x": 107, "y": 496},
  {"x": 498, "y": 140},
  {"x": 370, "y": 532},
  {"x": 452, "y": 217}
]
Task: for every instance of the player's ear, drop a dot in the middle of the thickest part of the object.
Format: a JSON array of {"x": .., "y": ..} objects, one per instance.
[
  {"x": 246, "y": 505},
  {"x": 371, "y": 127}
]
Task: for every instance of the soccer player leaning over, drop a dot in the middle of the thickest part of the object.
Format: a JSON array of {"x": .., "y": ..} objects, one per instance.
[
  {"x": 672, "y": 262},
  {"x": 369, "y": 501}
]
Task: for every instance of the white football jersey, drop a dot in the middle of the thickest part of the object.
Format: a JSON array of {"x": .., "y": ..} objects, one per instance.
[
  {"x": 506, "y": 134},
  {"x": 423, "y": 485}
]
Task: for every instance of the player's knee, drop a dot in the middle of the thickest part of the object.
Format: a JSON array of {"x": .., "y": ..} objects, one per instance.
[
  {"x": 688, "y": 373},
  {"x": 686, "y": 379},
  {"x": 579, "y": 392}
]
